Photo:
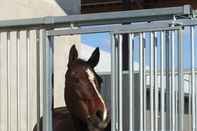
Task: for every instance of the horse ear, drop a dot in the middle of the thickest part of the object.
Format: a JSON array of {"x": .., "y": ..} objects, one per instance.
[
  {"x": 94, "y": 59},
  {"x": 73, "y": 55}
]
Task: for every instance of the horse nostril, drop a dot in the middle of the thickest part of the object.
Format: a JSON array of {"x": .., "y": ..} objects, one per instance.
[{"x": 99, "y": 114}]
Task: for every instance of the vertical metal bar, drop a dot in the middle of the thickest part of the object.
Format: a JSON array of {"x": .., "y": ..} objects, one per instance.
[
  {"x": 176, "y": 93},
  {"x": 162, "y": 83},
  {"x": 151, "y": 83},
  {"x": 144, "y": 78},
  {"x": 38, "y": 77},
  {"x": 168, "y": 106},
  {"x": 47, "y": 82},
  {"x": 173, "y": 93},
  {"x": 113, "y": 82},
  {"x": 0, "y": 78},
  {"x": 193, "y": 90},
  {"x": 51, "y": 44},
  {"x": 17, "y": 81},
  {"x": 170, "y": 86},
  {"x": 141, "y": 82},
  {"x": 180, "y": 81},
  {"x": 131, "y": 127},
  {"x": 27, "y": 77},
  {"x": 8, "y": 83},
  {"x": 173, "y": 80},
  {"x": 120, "y": 84},
  {"x": 195, "y": 78},
  {"x": 155, "y": 82},
  {"x": 117, "y": 82}
]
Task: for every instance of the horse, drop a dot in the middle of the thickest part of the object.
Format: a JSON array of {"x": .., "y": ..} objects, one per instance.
[{"x": 85, "y": 108}]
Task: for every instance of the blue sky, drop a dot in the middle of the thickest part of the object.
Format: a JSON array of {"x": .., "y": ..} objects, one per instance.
[{"x": 102, "y": 40}]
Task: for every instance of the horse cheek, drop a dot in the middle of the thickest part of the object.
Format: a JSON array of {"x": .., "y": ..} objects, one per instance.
[{"x": 83, "y": 111}]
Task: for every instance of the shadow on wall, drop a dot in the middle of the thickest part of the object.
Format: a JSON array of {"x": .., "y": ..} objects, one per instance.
[{"x": 70, "y": 6}]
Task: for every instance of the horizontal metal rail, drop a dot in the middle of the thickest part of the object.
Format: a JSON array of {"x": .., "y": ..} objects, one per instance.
[
  {"x": 186, "y": 72},
  {"x": 98, "y": 18},
  {"x": 115, "y": 28},
  {"x": 130, "y": 28}
]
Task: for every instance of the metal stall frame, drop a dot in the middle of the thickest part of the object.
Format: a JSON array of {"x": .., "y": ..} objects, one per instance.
[
  {"x": 159, "y": 20},
  {"x": 133, "y": 16},
  {"x": 116, "y": 32}
]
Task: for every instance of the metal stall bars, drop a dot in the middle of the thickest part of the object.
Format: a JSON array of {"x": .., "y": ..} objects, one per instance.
[
  {"x": 156, "y": 90},
  {"x": 116, "y": 38},
  {"x": 141, "y": 73},
  {"x": 102, "y": 19},
  {"x": 0, "y": 74},
  {"x": 38, "y": 47},
  {"x": 17, "y": 81},
  {"x": 113, "y": 83},
  {"x": 173, "y": 82},
  {"x": 193, "y": 90},
  {"x": 162, "y": 89},
  {"x": 8, "y": 83},
  {"x": 151, "y": 83},
  {"x": 15, "y": 71},
  {"x": 28, "y": 77},
  {"x": 117, "y": 82},
  {"x": 131, "y": 83},
  {"x": 47, "y": 81},
  {"x": 144, "y": 83},
  {"x": 180, "y": 82}
]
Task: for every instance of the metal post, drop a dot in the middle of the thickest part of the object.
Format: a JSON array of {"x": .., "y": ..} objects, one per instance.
[
  {"x": 113, "y": 83},
  {"x": 173, "y": 80},
  {"x": 162, "y": 83},
  {"x": 8, "y": 83},
  {"x": 168, "y": 112},
  {"x": 27, "y": 76},
  {"x": 144, "y": 76},
  {"x": 38, "y": 77},
  {"x": 47, "y": 81},
  {"x": 155, "y": 83},
  {"x": 180, "y": 81},
  {"x": 151, "y": 83},
  {"x": 141, "y": 82},
  {"x": 0, "y": 77},
  {"x": 193, "y": 90},
  {"x": 131, "y": 127},
  {"x": 117, "y": 82},
  {"x": 120, "y": 83},
  {"x": 17, "y": 81}
]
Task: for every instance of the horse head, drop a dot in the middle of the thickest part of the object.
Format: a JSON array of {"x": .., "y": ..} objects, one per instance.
[{"x": 82, "y": 91}]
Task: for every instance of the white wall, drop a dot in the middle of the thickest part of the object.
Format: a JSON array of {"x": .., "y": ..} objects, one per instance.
[{"x": 16, "y": 9}]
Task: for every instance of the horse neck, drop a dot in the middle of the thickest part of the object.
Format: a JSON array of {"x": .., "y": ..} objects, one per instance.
[{"x": 79, "y": 125}]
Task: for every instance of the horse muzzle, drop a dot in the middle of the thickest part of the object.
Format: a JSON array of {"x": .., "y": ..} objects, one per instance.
[{"x": 95, "y": 122}]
